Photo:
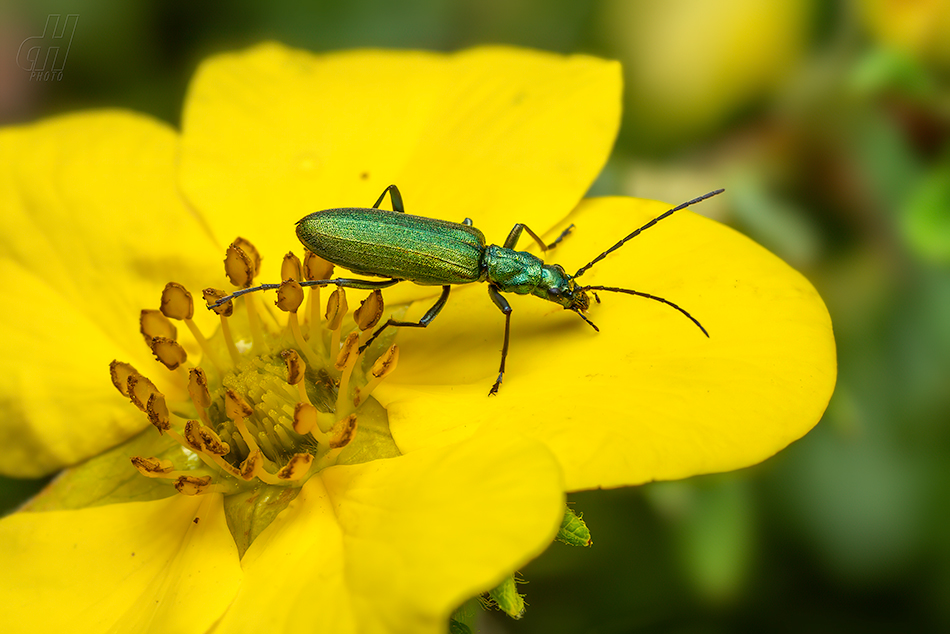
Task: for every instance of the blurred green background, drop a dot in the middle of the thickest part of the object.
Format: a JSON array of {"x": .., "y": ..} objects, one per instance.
[{"x": 829, "y": 125}]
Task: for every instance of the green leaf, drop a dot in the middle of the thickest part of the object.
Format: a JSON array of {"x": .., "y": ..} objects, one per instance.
[
  {"x": 926, "y": 216},
  {"x": 110, "y": 478}
]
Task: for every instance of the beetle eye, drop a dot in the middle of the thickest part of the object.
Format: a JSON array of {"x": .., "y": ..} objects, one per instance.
[{"x": 554, "y": 291}]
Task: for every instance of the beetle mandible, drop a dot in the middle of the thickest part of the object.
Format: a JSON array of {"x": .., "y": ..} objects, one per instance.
[{"x": 430, "y": 252}]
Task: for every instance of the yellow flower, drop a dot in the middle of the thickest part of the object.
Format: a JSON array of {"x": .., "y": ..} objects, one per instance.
[{"x": 106, "y": 207}]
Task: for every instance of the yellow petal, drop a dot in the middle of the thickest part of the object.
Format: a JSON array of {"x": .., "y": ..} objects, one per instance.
[
  {"x": 163, "y": 566},
  {"x": 92, "y": 229},
  {"x": 395, "y": 545},
  {"x": 500, "y": 135},
  {"x": 649, "y": 396}
]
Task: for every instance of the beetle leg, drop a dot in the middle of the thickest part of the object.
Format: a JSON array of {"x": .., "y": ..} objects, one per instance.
[
  {"x": 422, "y": 323},
  {"x": 504, "y": 307},
  {"x": 394, "y": 196},
  {"x": 346, "y": 283},
  {"x": 515, "y": 234}
]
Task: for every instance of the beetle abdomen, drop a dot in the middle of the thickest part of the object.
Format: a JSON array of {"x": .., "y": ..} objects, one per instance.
[{"x": 387, "y": 243}]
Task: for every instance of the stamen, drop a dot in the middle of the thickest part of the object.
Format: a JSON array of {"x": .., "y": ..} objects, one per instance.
[
  {"x": 139, "y": 390},
  {"x": 120, "y": 373},
  {"x": 336, "y": 309},
  {"x": 305, "y": 418},
  {"x": 240, "y": 268},
  {"x": 192, "y": 485},
  {"x": 315, "y": 268},
  {"x": 251, "y": 251},
  {"x": 297, "y": 468},
  {"x": 157, "y": 412},
  {"x": 152, "y": 467},
  {"x": 289, "y": 298},
  {"x": 200, "y": 395},
  {"x": 267, "y": 428},
  {"x": 291, "y": 268},
  {"x": 344, "y": 432},
  {"x": 237, "y": 409},
  {"x": 169, "y": 352},
  {"x": 225, "y": 310},
  {"x": 382, "y": 368},
  {"x": 296, "y": 371},
  {"x": 368, "y": 314},
  {"x": 177, "y": 303},
  {"x": 152, "y": 323},
  {"x": 251, "y": 465},
  {"x": 345, "y": 361}
]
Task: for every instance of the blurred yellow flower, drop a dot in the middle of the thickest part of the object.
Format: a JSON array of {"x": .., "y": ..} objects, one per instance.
[
  {"x": 690, "y": 65},
  {"x": 106, "y": 207},
  {"x": 918, "y": 28}
]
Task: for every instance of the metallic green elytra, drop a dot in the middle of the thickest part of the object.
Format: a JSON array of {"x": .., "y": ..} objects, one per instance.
[
  {"x": 391, "y": 244},
  {"x": 405, "y": 248}
]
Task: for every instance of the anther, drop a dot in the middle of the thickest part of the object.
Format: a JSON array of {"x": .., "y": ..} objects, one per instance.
[
  {"x": 315, "y": 268},
  {"x": 296, "y": 468},
  {"x": 225, "y": 310},
  {"x": 348, "y": 352},
  {"x": 168, "y": 351},
  {"x": 238, "y": 267},
  {"x": 344, "y": 432},
  {"x": 336, "y": 309},
  {"x": 291, "y": 268},
  {"x": 139, "y": 390},
  {"x": 386, "y": 362},
  {"x": 295, "y": 366},
  {"x": 152, "y": 467},
  {"x": 252, "y": 253},
  {"x": 191, "y": 436},
  {"x": 252, "y": 465},
  {"x": 203, "y": 439},
  {"x": 340, "y": 436},
  {"x": 177, "y": 302},
  {"x": 237, "y": 409},
  {"x": 212, "y": 442},
  {"x": 296, "y": 371},
  {"x": 192, "y": 485},
  {"x": 382, "y": 368},
  {"x": 241, "y": 263},
  {"x": 157, "y": 412},
  {"x": 120, "y": 373},
  {"x": 289, "y": 296},
  {"x": 198, "y": 390},
  {"x": 212, "y": 295},
  {"x": 152, "y": 323},
  {"x": 345, "y": 362},
  {"x": 370, "y": 311},
  {"x": 235, "y": 406},
  {"x": 305, "y": 418}
]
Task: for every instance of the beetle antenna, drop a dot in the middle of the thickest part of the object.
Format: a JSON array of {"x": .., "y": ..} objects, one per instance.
[
  {"x": 628, "y": 291},
  {"x": 666, "y": 214},
  {"x": 243, "y": 291},
  {"x": 267, "y": 287}
]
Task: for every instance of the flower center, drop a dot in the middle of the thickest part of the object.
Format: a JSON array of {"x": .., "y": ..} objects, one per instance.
[{"x": 269, "y": 403}]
